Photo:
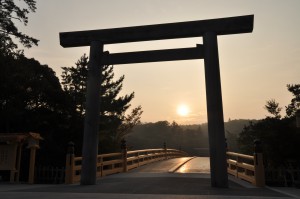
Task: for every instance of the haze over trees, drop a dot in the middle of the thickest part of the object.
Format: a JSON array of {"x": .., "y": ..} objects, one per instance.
[{"x": 190, "y": 138}]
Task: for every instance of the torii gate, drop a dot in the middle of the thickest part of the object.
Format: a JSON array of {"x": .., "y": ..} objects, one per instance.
[{"x": 208, "y": 29}]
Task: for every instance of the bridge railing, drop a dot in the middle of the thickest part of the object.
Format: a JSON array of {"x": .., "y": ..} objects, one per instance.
[
  {"x": 247, "y": 167},
  {"x": 118, "y": 162}
]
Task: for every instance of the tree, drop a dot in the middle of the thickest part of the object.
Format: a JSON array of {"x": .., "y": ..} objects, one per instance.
[
  {"x": 129, "y": 121},
  {"x": 189, "y": 138},
  {"x": 280, "y": 137},
  {"x": 74, "y": 83},
  {"x": 292, "y": 108},
  {"x": 114, "y": 123},
  {"x": 281, "y": 140},
  {"x": 26, "y": 86},
  {"x": 273, "y": 108},
  {"x": 31, "y": 99},
  {"x": 9, "y": 12}
]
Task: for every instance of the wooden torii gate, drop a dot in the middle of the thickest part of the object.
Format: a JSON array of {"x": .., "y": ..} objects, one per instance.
[{"x": 208, "y": 29}]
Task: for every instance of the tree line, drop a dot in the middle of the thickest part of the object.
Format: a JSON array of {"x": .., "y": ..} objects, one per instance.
[
  {"x": 280, "y": 135},
  {"x": 192, "y": 139}
]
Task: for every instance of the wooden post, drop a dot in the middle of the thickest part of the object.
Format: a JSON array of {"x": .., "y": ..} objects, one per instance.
[
  {"x": 259, "y": 164},
  {"x": 91, "y": 122},
  {"x": 124, "y": 154},
  {"x": 13, "y": 156},
  {"x": 165, "y": 150},
  {"x": 101, "y": 166},
  {"x": 19, "y": 155},
  {"x": 69, "y": 174},
  {"x": 216, "y": 133},
  {"x": 32, "y": 164}
]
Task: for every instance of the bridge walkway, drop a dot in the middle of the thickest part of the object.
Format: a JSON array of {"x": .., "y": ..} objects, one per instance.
[{"x": 175, "y": 178}]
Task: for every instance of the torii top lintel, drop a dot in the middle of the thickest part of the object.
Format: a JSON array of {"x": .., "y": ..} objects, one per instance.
[{"x": 221, "y": 26}]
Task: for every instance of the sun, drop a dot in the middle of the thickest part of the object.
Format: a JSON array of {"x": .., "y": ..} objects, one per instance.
[{"x": 183, "y": 110}]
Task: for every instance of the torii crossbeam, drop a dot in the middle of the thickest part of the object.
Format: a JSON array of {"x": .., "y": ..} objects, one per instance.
[{"x": 208, "y": 29}]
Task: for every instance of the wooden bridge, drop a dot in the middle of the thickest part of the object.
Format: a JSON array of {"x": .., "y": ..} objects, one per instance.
[
  {"x": 244, "y": 167},
  {"x": 112, "y": 163},
  {"x": 154, "y": 173}
]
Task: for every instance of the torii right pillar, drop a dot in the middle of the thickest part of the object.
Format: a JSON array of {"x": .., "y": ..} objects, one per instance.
[{"x": 216, "y": 132}]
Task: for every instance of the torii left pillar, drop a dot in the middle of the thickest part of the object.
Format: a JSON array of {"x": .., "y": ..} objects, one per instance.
[{"x": 91, "y": 122}]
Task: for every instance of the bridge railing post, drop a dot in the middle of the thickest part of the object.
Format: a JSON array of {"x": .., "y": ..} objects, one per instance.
[
  {"x": 165, "y": 150},
  {"x": 69, "y": 171},
  {"x": 101, "y": 166},
  {"x": 258, "y": 164},
  {"x": 124, "y": 154}
]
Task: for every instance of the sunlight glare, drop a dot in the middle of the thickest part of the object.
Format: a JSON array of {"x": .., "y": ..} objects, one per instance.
[{"x": 182, "y": 110}]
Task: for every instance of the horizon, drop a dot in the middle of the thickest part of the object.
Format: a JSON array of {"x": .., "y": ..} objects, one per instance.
[{"x": 204, "y": 123}]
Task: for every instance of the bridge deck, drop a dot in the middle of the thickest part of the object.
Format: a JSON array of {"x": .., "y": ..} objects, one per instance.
[{"x": 149, "y": 181}]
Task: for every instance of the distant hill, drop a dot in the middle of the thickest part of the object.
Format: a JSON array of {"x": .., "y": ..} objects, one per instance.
[
  {"x": 190, "y": 138},
  {"x": 236, "y": 126},
  {"x": 232, "y": 130}
]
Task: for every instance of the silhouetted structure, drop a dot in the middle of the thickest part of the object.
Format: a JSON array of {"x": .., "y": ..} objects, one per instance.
[
  {"x": 208, "y": 29},
  {"x": 11, "y": 151}
]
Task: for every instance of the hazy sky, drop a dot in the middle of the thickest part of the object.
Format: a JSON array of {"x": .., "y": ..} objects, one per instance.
[{"x": 255, "y": 67}]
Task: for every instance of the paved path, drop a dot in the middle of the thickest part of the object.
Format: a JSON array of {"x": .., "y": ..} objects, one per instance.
[
  {"x": 195, "y": 165},
  {"x": 150, "y": 181}
]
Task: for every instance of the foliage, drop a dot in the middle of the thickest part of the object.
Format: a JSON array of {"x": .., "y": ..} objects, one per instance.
[
  {"x": 27, "y": 86},
  {"x": 31, "y": 99},
  {"x": 273, "y": 108},
  {"x": 295, "y": 102},
  {"x": 190, "y": 138},
  {"x": 9, "y": 12},
  {"x": 114, "y": 123},
  {"x": 280, "y": 137},
  {"x": 153, "y": 135},
  {"x": 281, "y": 140},
  {"x": 74, "y": 83},
  {"x": 129, "y": 121}
]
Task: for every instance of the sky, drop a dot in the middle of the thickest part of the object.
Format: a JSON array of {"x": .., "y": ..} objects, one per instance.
[{"x": 255, "y": 67}]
